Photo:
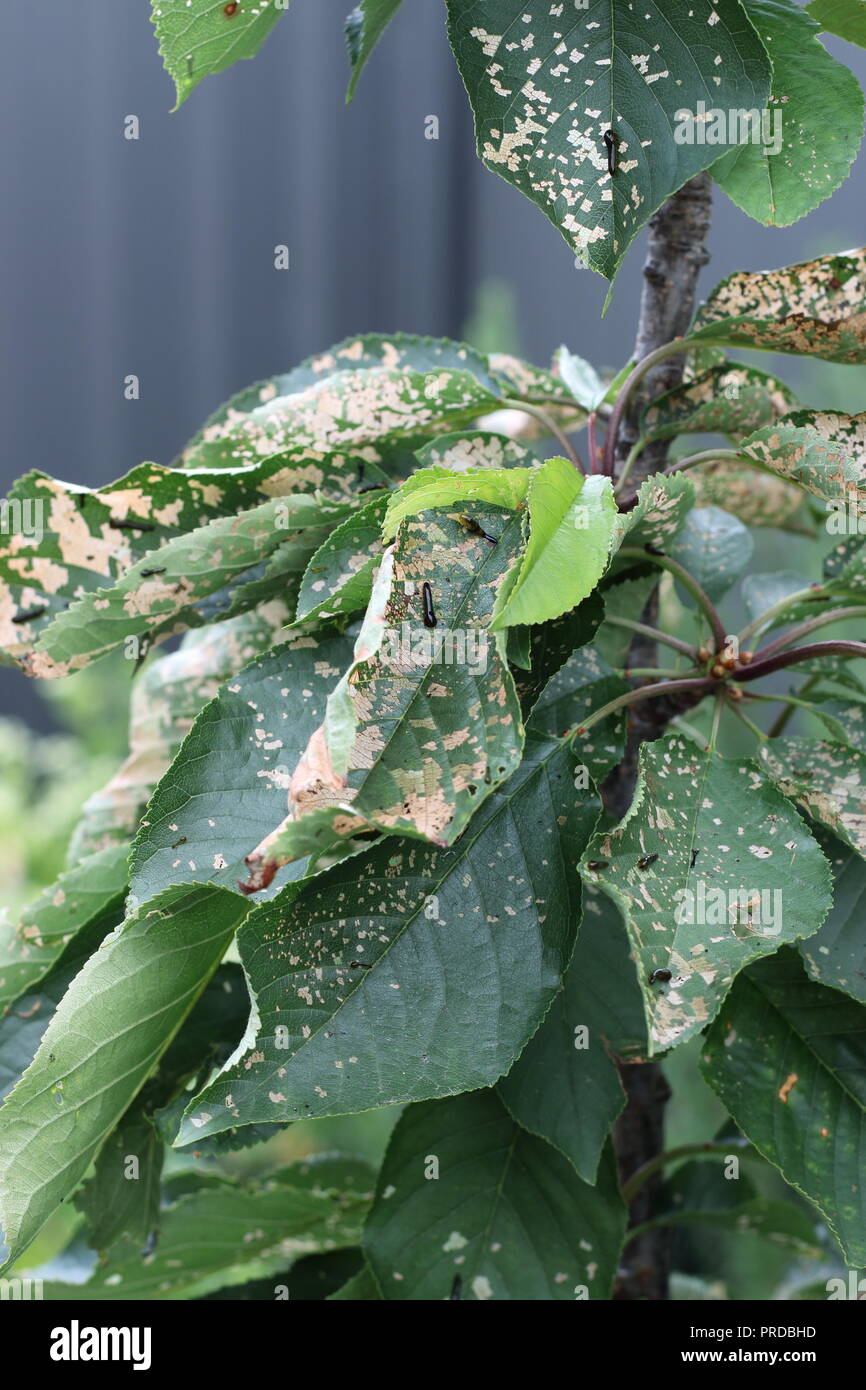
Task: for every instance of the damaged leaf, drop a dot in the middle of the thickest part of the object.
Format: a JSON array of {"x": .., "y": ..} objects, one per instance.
[
  {"x": 361, "y": 979},
  {"x": 758, "y": 879}
]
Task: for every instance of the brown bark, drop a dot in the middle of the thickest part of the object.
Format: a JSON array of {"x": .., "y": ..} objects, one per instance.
[{"x": 675, "y": 255}]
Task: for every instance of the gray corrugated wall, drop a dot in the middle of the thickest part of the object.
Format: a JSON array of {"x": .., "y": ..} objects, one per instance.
[{"x": 155, "y": 257}]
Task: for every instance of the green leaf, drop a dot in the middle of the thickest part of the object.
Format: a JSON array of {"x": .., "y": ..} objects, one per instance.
[
  {"x": 506, "y": 1218},
  {"x": 339, "y": 577},
  {"x": 822, "y": 452},
  {"x": 92, "y": 892},
  {"x": 715, "y": 548},
  {"x": 201, "y": 37},
  {"x": 699, "y": 1195},
  {"x": 426, "y": 722},
  {"x": 209, "y": 1236},
  {"x": 623, "y": 598},
  {"x": 836, "y": 954},
  {"x": 581, "y": 378},
  {"x": 361, "y": 1288},
  {"x": 228, "y": 784},
  {"x": 108, "y": 1034},
  {"x": 787, "y": 1058},
  {"x": 793, "y": 161},
  {"x": 565, "y": 1086},
  {"x": 845, "y": 18},
  {"x": 545, "y": 87},
  {"x": 441, "y": 487},
  {"x": 549, "y": 645},
  {"x": 410, "y": 972},
  {"x": 725, "y": 399},
  {"x": 583, "y": 685},
  {"x": 571, "y": 528},
  {"x": 364, "y": 27},
  {"x": 815, "y": 308},
  {"x": 122, "y": 1197},
  {"x": 758, "y": 879},
  {"x": 214, "y": 572},
  {"x": 827, "y": 779}
]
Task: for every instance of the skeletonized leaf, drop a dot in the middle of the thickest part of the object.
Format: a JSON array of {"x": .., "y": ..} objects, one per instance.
[
  {"x": 214, "y": 572},
  {"x": 790, "y": 164},
  {"x": 817, "y": 308},
  {"x": 822, "y": 452},
  {"x": 663, "y": 503},
  {"x": 227, "y": 785},
  {"x": 361, "y": 980},
  {"x": 711, "y": 867},
  {"x": 572, "y": 520},
  {"x": 546, "y": 84},
  {"x": 199, "y": 37},
  {"x": 114, "y": 1023},
  {"x": 787, "y": 1057},
  {"x": 466, "y": 450},
  {"x": 507, "y": 1217},
  {"x": 725, "y": 399},
  {"x": 827, "y": 779},
  {"x": 364, "y": 27},
  {"x": 755, "y": 496},
  {"x": 426, "y": 722}
]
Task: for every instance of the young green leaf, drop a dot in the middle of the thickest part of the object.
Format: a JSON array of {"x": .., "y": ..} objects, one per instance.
[
  {"x": 711, "y": 867},
  {"x": 801, "y": 148},
  {"x": 507, "y": 1217},
  {"x": 437, "y": 486},
  {"x": 546, "y": 85},
  {"x": 787, "y": 1058},
  {"x": 572, "y": 520},
  {"x": 116, "y": 1020},
  {"x": 361, "y": 980}
]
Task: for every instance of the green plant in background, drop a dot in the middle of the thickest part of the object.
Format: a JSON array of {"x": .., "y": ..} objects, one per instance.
[{"x": 437, "y": 804}]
